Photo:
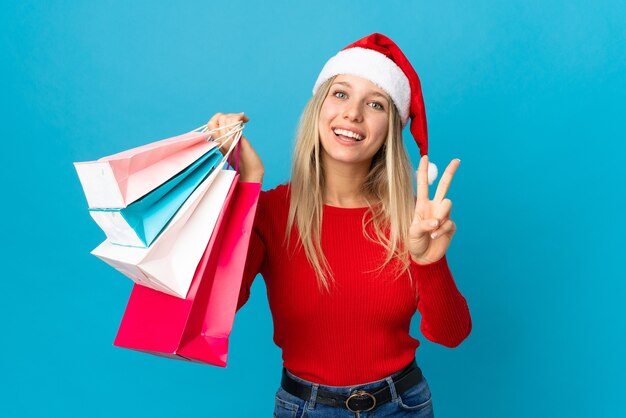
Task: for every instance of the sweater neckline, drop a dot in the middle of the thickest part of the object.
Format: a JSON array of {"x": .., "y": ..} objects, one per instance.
[{"x": 336, "y": 210}]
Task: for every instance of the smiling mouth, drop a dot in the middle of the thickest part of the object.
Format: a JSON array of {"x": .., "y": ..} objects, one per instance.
[{"x": 348, "y": 134}]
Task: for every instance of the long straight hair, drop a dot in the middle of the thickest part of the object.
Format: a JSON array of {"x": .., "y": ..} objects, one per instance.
[{"x": 388, "y": 189}]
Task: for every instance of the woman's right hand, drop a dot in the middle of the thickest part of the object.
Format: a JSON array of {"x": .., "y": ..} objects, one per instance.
[{"x": 250, "y": 165}]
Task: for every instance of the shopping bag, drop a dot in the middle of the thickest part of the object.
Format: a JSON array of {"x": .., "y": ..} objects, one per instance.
[
  {"x": 117, "y": 180},
  {"x": 139, "y": 223},
  {"x": 197, "y": 328},
  {"x": 168, "y": 265}
]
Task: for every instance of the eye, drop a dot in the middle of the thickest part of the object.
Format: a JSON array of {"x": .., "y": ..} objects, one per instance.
[
  {"x": 377, "y": 106},
  {"x": 340, "y": 94}
]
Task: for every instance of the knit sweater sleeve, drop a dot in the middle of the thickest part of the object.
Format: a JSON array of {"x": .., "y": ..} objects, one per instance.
[{"x": 445, "y": 315}]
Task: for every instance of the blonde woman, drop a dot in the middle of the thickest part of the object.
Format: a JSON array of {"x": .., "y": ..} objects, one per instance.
[{"x": 347, "y": 251}]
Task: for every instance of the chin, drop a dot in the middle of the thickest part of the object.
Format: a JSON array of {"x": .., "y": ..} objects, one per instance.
[{"x": 344, "y": 156}]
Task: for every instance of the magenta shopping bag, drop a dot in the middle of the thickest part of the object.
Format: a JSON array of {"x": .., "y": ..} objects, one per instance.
[{"x": 197, "y": 328}]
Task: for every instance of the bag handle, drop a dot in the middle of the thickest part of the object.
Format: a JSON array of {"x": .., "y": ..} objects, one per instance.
[
  {"x": 237, "y": 157},
  {"x": 236, "y": 129},
  {"x": 204, "y": 128},
  {"x": 235, "y": 144}
]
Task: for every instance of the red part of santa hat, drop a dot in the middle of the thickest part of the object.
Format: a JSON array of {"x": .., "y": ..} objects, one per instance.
[{"x": 379, "y": 60}]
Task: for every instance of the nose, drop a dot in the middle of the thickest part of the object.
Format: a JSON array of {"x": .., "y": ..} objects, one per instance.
[{"x": 352, "y": 111}]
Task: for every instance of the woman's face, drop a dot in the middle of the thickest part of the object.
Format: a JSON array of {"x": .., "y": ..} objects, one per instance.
[{"x": 353, "y": 120}]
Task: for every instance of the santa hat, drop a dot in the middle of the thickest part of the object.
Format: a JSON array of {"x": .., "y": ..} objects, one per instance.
[{"x": 379, "y": 60}]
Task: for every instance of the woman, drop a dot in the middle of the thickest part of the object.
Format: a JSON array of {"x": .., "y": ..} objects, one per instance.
[{"x": 347, "y": 253}]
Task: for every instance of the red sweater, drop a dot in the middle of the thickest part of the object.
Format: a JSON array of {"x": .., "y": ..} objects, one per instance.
[{"x": 359, "y": 332}]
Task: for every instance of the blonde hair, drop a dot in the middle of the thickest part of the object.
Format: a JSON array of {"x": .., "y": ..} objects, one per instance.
[{"x": 388, "y": 189}]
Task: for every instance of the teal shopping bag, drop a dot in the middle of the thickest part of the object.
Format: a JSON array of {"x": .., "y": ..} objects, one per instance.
[{"x": 141, "y": 222}]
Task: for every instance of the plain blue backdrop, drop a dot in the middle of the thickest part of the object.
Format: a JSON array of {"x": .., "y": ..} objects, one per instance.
[{"x": 529, "y": 94}]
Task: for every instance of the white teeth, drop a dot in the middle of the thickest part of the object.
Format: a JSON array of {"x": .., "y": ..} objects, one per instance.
[{"x": 349, "y": 134}]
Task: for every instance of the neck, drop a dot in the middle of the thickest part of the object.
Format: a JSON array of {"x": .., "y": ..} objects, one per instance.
[{"x": 343, "y": 183}]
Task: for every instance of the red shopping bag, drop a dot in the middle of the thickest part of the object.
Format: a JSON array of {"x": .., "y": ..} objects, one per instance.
[{"x": 197, "y": 328}]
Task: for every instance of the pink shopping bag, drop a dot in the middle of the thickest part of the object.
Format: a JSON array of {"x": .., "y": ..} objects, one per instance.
[
  {"x": 120, "y": 179},
  {"x": 197, "y": 328}
]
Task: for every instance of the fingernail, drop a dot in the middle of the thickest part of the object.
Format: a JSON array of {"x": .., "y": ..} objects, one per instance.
[
  {"x": 434, "y": 223},
  {"x": 433, "y": 235}
]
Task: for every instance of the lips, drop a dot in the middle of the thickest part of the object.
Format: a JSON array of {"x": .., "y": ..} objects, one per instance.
[{"x": 349, "y": 134}]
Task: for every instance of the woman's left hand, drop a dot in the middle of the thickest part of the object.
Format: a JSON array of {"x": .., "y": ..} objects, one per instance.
[{"x": 432, "y": 229}]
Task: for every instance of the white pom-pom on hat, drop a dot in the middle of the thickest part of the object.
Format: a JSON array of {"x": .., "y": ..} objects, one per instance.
[{"x": 432, "y": 173}]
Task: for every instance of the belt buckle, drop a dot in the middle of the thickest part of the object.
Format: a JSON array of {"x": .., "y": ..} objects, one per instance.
[{"x": 360, "y": 393}]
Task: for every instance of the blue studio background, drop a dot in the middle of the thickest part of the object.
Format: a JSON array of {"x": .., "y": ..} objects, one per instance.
[{"x": 528, "y": 94}]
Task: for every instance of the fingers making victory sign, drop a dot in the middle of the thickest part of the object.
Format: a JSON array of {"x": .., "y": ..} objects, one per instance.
[{"x": 432, "y": 229}]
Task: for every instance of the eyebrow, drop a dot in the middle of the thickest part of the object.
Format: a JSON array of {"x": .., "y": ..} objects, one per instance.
[{"x": 372, "y": 93}]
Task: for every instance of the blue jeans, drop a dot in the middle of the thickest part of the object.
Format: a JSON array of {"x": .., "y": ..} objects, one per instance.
[{"x": 415, "y": 402}]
